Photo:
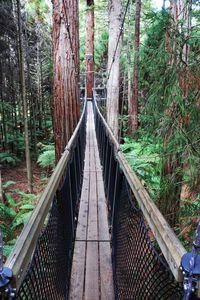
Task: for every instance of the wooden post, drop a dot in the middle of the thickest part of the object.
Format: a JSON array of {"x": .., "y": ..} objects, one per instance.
[{"x": 89, "y": 49}]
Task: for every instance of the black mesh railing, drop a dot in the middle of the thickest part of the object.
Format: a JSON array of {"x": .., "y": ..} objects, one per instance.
[
  {"x": 48, "y": 273},
  {"x": 139, "y": 271}
]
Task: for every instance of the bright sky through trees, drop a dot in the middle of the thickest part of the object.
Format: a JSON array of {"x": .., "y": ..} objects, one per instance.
[{"x": 158, "y": 3}]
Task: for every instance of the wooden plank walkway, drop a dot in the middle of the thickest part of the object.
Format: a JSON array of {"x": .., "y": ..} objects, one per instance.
[{"x": 91, "y": 276}]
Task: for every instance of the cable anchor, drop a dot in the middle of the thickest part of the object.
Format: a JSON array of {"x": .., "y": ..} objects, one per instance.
[
  {"x": 6, "y": 274},
  {"x": 190, "y": 266}
]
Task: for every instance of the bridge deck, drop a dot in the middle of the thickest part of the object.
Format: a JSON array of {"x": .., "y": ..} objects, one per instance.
[{"x": 91, "y": 276}]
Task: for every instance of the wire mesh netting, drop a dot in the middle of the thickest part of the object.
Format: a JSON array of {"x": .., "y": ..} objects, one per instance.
[
  {"x": 48, "y": 275},
  {"x": 140, "y": 271}
]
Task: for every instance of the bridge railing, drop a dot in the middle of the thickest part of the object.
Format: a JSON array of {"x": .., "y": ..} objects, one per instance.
[
  {"x": 41, "y": 258},
  {"x": 144, "y": 267}
]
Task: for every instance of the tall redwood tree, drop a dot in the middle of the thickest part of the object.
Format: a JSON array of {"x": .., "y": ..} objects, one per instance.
[
  {"x": 114, "y": 48},
  {"x": 89, "y": 48},
  {"x": 65, "y": 71}
]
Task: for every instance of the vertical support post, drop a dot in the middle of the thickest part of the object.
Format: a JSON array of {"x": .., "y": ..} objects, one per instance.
[{"x": 90, "y": 49}]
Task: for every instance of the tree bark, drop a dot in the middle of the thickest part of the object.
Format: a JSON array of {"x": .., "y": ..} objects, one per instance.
[
  {"x": 129, "y": 68},
  {"x": 172, "y": 167},
  {"x": 24, "y": 100},
  {"x": 90, "y": 48},
  {"x": 65, "y": 71},
  {"x": 113, "y": 65},
  {"x": 134, "y": 107}
]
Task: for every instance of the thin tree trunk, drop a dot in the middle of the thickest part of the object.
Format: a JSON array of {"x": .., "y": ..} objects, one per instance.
[
  {"x": 1, "y": 188},
  {"x": 134, "y": 112},
  {"x": 113, "y": 65},
  {"x": 39, "y": 92},
  {"x": 129, "y": 68},
  {"x": 24, "y": 100},
  {"x": 163, "y": 6},
  {"x": 90, "y": 48}
]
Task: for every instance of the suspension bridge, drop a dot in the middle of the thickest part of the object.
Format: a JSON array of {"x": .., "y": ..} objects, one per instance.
[{"x": 90, "y": 236}]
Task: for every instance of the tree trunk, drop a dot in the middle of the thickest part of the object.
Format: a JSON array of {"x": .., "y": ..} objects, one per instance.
[
  {"x": 23, "y": 96},
  {"x": 90, "y": 48},
  {"x": 65, "y": 71},
  {"x": 134, "y": 107},
  {"x": 113, "y": 65},
  {"x": 163, "y": 6},
  {"x": 172, "y": 168},
  {"x": 129, "y": 68}
]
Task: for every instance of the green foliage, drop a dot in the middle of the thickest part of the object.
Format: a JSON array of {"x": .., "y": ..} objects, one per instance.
[
  {"x": 15, "y": 214},
  {"x": 190, "y": 208},
  {"x": 7, "y": 158},
  {"x": 8, "y": 184},
  {"x": 47, "y": 158},
  {"x": 143, "y": 156},
  {"x": 7, "y": 249}
]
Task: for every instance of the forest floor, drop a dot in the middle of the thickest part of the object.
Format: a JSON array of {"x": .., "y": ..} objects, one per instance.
[{"x": 18, "y": 175}]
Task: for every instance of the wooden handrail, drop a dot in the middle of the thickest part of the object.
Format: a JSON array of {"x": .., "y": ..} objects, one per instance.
[
  {"x": 20, "y": 257},
  {"x": 169, "y": 244}
]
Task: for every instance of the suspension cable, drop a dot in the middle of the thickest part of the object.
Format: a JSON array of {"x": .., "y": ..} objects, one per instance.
[{"x": 118, "y": 40}]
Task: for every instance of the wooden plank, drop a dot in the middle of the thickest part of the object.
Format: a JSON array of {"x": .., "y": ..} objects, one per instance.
[
  {"x": 92, "y": 269},
  {"x": 79, "y": 257},
  {"x": 92, "y": 216},
  {"x": 78, "y": 272},
  {"x": 106, "y": 274},
  {"x": 81, "y": 231},
  {"x": 92, "y": 272},
  {"x": 92, "y": 260},
  {"x": 102, "y": 210}
]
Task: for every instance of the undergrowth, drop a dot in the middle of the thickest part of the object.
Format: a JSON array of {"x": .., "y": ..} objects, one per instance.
[
  {"x": 145, "y": 157},
  {"x": 14, "y": 214}
]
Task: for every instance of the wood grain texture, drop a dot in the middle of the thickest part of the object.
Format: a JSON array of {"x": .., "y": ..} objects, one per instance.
[{"x": 92, "y": 276}]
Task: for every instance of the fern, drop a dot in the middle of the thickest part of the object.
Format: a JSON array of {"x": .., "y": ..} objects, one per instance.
[
  {"x": 8, "y": 184},
  {"x": 8, "y": 158},
  {"x": 21, "y": 219},
  {"x": 7, "y": 249},
  {"x": 47, "y": 158},
  {"x": 6, "y": 212},
  {"x": 143, "y": 156}
]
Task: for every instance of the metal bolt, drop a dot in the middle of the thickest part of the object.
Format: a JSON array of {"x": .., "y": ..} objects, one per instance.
[{"x": 12, "y": 294}]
